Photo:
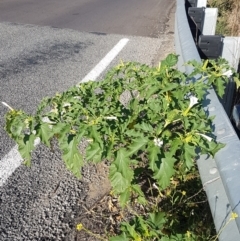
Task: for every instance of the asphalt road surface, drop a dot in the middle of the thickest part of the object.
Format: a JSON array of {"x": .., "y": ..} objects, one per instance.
[
  {"x": 131, "y": 17},
  {"x": 46, "y": 47}
]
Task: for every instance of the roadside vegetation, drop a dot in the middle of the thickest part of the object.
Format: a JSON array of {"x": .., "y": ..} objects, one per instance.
[
  {"x": 228, "y": 22},
  {"x": 149, "y": 126}
]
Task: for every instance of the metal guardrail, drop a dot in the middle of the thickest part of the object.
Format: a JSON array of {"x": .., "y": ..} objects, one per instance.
[{"x": 220, "y": 176}]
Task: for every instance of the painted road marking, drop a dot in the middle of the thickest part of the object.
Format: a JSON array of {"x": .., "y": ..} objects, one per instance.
[
  {"x": 10, "y": 162},
  {"x": 102, "y": 65}
]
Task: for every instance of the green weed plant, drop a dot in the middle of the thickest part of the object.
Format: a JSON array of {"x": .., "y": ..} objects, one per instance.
[{"x": 147, "y": 122}]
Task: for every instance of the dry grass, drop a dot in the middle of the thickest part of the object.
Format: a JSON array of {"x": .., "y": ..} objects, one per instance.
[{"x": 229, "y": 18}]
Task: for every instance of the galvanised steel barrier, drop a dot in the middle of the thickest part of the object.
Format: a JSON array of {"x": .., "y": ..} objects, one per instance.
[{"x": 220, "y": 175}]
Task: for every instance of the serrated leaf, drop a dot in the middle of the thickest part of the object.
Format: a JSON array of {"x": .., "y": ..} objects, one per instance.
[
  {"x": 165, "y": 171},
  {"x": 151, "y": 91},
  {"x": 237, "y": 81},
  {"x": 96, "y": 136},
  {"x": 44, "y": 132},
  {"x": 153, "y": 156},
  {"x": 172, "y": 115},
  {"x": 137, "y": 145},
  {"x": 142, "y": 200},
  {"x": 121, "y": 237},
  {"x": 62, "y": 130},
  {"x": 136, "y": 188},
  {"x": 120, "y": 173},
  {"x": 142, "y": 226},
  {"x": 131, "y": 230},
  {"x": 122, "y": 163},
  {"x": 71, "y": 156},
  {"x": 132, "y": 133},
  {"x": 94, "y": 152},
  {"x": 25, "y": 147},
  {"x": 16, "y": 128},
  {"x": 144, "y": 126},
  {"x": 170, "y": 61},
  {"x": 124, "y": 197},
  {"x": 118, "y": 181},
  {"x": 157, "y": 219},
  {"x": 215, "y": 147},
  {"x": 175, "y": 144},
  {"x": 169, "y": 87},
  {"x": 220, "y": 87},
  {"x": 189, "y": 154}
]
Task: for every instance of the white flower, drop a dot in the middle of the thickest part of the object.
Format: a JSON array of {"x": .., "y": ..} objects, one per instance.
[
  {"x": 158, "y": 142},
  {"x": 228, "y": 73},
  {"x": 206, "y": 137},
  {"x": 111, "y": 118},
  {"x": 193, "y": 101},
  {"x": 66, "y": 105},
  {"x": 4, "y": 103},
  {"x": 47, "y": 120}
]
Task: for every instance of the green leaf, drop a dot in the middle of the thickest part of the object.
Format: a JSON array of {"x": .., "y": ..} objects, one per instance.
[
  {"x": 215, "y": 147},
  {"x": 151, "y": 91},
  {"x": 25, "y": 147},
  {"x": 137, "y": 145},
  {"x": 142, "y": 226},
  {"x": 165, "y": 171},
  {"x": 171, "y": 60},
  {"x": 175, "y": 145},
  {"x": 122, "y": 162},
  {"x": 124, "y": 197},
  {"x": 169, "y": 87},
  {"x": 157, "y": 219},
  {"x": 15, "y": 123},
  {"x": 237, "y": 81},
  {"x": 144, "y": 126},
  {"x": 121, "y": 237},
  {"x": 131, "y": 230},
  {"x": 132, "y": 133},
  {"x": 120, "y": 173},
  {"x": 189, "y": 154},
  {"x": 220, "y": 86},
  {"x": 71, "y": 156},
  {"x": 118, "y": 181},
  {"x": 96, "y": 136},
  {"x": 94, "y": 152},
  {"x": 141, "y": 198},
  {"x": 153, "y": 156},
  {"x": 136, "y": 188},
  {"x": 61, "y": 130},
  {"x": 44, "y": 132},
  {"x": 16, "y": 128},
  {"x": 172, "y": 115}
]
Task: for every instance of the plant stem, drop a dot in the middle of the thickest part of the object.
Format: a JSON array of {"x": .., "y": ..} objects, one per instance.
[{"x": 93, "y": 234}]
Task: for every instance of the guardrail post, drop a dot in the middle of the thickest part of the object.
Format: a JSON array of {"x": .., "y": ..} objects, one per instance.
[
  {"x": 201, "y": 3},
  {"x": 231, "y": 52},
  {"x": 210, "y": 22}
]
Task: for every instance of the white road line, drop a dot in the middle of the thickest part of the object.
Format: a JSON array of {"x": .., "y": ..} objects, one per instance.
[
  {"x": 10, "y": 162},
  {"x": 102, "y": 65}
]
